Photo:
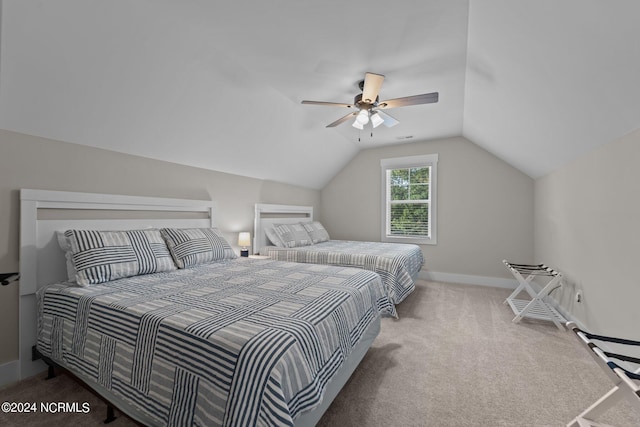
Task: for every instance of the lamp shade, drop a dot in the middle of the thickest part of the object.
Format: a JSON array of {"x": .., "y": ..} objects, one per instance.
[
  {"x": 244, "y": 239},
  {"x": 356, "y": 124},
  {"x": 363, "y": 117},
  {"x": 376, "y": 120}
]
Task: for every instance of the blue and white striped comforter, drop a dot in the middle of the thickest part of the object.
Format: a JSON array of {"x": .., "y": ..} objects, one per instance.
[
  {"x": 397, "y": 263},
  {"x": 237, "y": 343}
]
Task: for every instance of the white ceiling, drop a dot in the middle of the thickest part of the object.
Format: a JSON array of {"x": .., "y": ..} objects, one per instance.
[
  {"x": 218, "y": 84},
  {"x": 548, "y": 80}
]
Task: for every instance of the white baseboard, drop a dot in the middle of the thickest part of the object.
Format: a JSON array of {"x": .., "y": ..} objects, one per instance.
[
  {"x": 466, "y": 279},
  {"x": 9, "y": 372}
]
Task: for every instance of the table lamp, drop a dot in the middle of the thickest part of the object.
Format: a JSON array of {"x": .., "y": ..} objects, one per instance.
[{"x": 244, "y": 241}]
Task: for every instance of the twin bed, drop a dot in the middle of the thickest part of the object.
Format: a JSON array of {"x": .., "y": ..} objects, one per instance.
[{"x": 211, "y": 340}]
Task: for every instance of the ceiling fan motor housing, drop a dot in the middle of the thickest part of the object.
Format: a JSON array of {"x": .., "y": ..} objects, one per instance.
[{"x": 357, "y": 101}]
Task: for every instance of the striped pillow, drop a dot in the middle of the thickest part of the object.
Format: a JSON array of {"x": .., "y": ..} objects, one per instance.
[
  {"x": 274, "y": 238},
  {"x": 292, "y": 235},
  {"x": 102, "y": 256},
  {"x": 317, "y": 231},
  {"x": 193, "y": 246}
]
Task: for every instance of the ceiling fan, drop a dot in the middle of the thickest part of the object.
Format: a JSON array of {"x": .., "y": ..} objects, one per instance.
[{"x": 368, "y": 107}]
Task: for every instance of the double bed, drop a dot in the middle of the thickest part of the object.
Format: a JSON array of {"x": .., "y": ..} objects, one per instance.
[
  {"x": 397, "y": 264},
  {"x": 223, "y": 341}
]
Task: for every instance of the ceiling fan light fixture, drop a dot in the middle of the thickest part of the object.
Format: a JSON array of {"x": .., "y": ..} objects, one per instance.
[
  {"x": 376, "y": 120},
  {"x": 356, "y": 124},
  {"x": 363, "y": 117}
]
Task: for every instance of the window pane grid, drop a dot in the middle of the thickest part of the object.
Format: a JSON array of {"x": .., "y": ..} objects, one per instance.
[
  {"x": 409, "y": 199},
  {"x": 408, "y": 204},
  {"x": 409, "y": 183},
  {"x": 409, "y": 219}
]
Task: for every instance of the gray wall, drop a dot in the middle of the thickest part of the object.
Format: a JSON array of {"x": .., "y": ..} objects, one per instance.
[
  {"x": 485, "y": 206},
  {"x": 32, "y": 162},
  {"x": 587, "y": 223}
]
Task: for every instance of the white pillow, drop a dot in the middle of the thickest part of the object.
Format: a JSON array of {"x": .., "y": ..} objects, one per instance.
[{"x": 65, "y": 245}]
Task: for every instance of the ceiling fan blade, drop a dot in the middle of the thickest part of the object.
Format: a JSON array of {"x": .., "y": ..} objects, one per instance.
[
  {"x": 372, "y": 84},
  {"x": 341, "y": 120},
  {"x": 426, "y": 98},
  {"x": 388, "y": 120},
  {"x": 329, "y": 104}
]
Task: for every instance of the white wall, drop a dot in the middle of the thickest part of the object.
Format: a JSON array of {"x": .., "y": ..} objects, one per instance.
[
  {"x": 33, "y": 162},
  {"x": 587, "y": 225},
  {"x": 485, "y": 207}
]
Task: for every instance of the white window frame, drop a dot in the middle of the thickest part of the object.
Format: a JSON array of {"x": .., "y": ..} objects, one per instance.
[{"x": 428, "y": 160}]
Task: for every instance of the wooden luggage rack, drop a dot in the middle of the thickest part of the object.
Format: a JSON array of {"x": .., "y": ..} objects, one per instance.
[{"x": 538, "y": 306}]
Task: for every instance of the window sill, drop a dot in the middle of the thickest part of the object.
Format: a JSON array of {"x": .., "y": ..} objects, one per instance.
[{"x": 414, "y": 240}]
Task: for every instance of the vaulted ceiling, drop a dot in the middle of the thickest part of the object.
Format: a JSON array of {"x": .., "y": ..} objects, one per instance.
[{"x": 218, "y": 84}]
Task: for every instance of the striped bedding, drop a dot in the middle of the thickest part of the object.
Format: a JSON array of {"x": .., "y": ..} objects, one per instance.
[
  {"x": 397, "y": 264},
  {"x": 237, "y": 343}
]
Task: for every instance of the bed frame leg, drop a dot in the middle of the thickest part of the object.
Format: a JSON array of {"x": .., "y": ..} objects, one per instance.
[
  {"x": 50, "y": 373},
  {"x": 110, "y": 415}
]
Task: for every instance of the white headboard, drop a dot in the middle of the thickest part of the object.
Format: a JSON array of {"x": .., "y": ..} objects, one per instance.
[
  {"x": 42, "y": 262},
  {"x": 266, "y": 215}
]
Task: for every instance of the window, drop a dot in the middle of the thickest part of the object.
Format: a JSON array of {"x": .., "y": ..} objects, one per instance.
[{"x": 409, "y": 199}]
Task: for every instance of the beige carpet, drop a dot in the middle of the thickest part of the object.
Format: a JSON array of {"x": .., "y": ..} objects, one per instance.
[{"x": 453, "y": 359}]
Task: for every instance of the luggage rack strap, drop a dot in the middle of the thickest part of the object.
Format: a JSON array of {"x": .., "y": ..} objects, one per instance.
[
  {"x": 626, "y": 382},
  {"x": 532, "y": 269}
]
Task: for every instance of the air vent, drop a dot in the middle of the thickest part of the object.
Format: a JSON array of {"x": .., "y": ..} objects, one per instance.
[{"x": 400, "y": 138}]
